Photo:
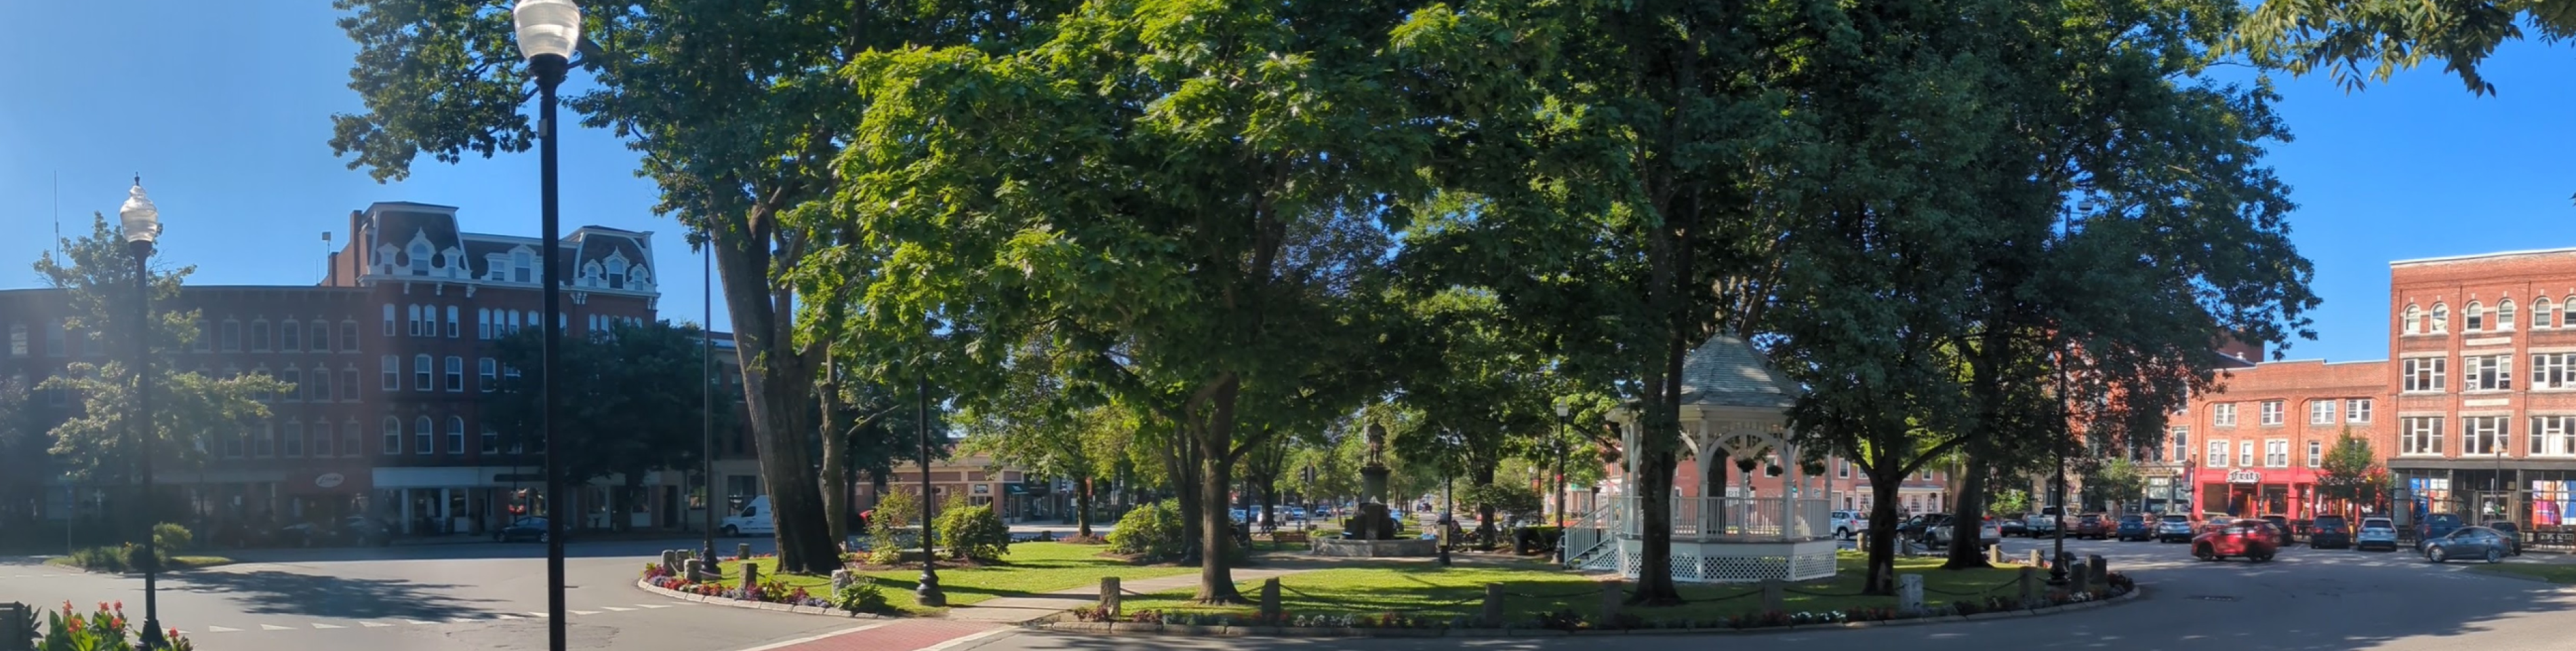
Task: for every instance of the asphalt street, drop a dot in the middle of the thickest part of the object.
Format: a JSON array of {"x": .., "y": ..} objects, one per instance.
[{"x": 489, "y": 596}]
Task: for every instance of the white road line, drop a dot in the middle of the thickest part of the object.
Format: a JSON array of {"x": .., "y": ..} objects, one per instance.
[
  {"x": 617, "y": 609},
  {"x": 810, "y": 638},
  {"x": 222, "y": 629},
  {"x": 506, "y": 616},
  {"x": 585, "y": 612},
  {"x": 322, "y": 625},
  {"x": 651, "y": 606},
  {"x": 374, "y": 624},
  {"x": 416, "y": 622},
  {"x": 538, "y": 615},
  {"x": 951, "y": 644},
  {"x": 273, "y": 627}
]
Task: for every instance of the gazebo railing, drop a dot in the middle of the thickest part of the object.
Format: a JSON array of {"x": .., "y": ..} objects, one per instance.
[{"x": 1740, "y": 519}]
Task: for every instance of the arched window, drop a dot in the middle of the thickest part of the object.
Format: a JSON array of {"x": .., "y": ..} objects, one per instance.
[
  {"x": 393, "y": 435},
  {"x": 2541, "y": 313},
  {"x": 2474, "y": 317},
  {"x": 455, "y": 374},
  {"x": 290, "y": 336},
  {"x": 324, "y": 444},
  {"x": 423, "y": 436},
  {"x": 419, "y": 258},
  {"x": 455, "y": 435},
  {"x": 420, "y": 374},
  {"x": 2504, "y": 314},
  {"x": 2441, "y": 318},
  {"x": 290, "y": 443},
  {"x": 2414, "y": 321}
]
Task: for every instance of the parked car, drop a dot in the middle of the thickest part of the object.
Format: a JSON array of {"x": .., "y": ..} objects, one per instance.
[
  {"x": 1919, "y": 528},
  {"x": 2512, "y": 536},
  {"x": 753, "y": 519},
  {"x": 2242, "y": 539},
  {"x": 2174, "y": 529},
  {"x": 2090, "y": 525},
  {"x": 2133, "y": 527},
  {"x": 527, "y": 528},
  {"x": 351, "y": 530},
  {"x": 2040, "y": 525},
  {"x": 2288, "y": 536},
  {"x": 2012, "y": 524},
  {"x": 1988, "y": 534},
  {"x": 2466, "y": 542},
  {"x": 2329, "y": 532},
  {"x": 1847, "y": 523},
  {"x": 2379, "y": 533},
  {"x": 2436, "y": 525}
]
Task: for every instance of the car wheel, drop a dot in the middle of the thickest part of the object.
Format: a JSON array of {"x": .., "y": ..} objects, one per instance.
[
  {"x": 2202, "y": 552},
  {"x": 730, "y": 531},
  {"x": 2435, "y": 554},
  {"x": 2494, "y": 556}
]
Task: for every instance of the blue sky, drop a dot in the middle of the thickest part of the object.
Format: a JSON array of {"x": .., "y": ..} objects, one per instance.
[{"x": 224, "y": 108}]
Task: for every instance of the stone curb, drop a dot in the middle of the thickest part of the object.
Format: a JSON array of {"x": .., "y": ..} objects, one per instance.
[
  {"x": 1182, "y": 630},
  {"x": 647, "y": 586}
]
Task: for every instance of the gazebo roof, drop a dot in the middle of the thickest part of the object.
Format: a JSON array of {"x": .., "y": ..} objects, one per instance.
[{"x": 1727, "y": 372}]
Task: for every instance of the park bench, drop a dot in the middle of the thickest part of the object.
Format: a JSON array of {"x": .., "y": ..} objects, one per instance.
[{"x": 1288, "y": 536}]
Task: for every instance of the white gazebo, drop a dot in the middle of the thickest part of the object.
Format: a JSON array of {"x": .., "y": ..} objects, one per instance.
[{"x": 1733, "y": 407}]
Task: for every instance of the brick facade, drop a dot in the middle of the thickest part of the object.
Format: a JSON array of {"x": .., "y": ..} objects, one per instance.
[{"x": 2253, "y": 446}]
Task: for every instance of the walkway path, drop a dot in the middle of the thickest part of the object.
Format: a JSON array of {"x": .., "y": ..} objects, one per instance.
[{"x": 1017, "y": 610}]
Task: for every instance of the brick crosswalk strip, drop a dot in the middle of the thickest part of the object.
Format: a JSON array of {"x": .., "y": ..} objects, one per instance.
[{"x": 906, "y": 635}]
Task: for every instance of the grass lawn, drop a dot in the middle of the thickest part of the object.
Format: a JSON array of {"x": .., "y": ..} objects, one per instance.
[
  {"x": 1539, "y": 588},
  {"x": 1030, "y": 568},
  {"x": 176, "y": 562},
  {"x": 2551, "y": 572}
]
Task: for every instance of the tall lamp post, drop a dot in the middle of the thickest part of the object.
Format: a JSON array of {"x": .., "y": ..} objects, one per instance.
[
  {"x": 927, "y": 592},
  {"x": 547, "y": 32},
  {"x": 142, "y": 222},
  {"x": 707, "y": 389},
  {"x": 1562, "y": 410}
]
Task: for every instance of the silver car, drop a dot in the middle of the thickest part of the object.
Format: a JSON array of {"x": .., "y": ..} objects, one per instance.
[{"x": 2376, "y": 533}]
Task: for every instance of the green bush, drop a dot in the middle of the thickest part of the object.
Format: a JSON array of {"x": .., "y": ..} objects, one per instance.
[
  {"x": 1152, "y": 531},
  {"x": 894, "y": 511},
  {"x": 117, "y": 558},
  {"x": 974, "y": 532},
  {"x": 863, "y": 596},
  {"x": 169, "y": 538}
]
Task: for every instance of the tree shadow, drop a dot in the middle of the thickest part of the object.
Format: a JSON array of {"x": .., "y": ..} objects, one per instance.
[{"x": 284, "y": 593}]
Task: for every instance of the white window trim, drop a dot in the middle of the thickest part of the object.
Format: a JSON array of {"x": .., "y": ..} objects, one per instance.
[
  {"x": 2274, "y": 413},
  {"x": 2358, "y": 410}
]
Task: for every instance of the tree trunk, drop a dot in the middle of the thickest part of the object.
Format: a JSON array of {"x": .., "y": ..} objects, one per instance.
[
  {"x": 1654, "y": 491},
  {"x": 1965, "y": 537},
  {"x": 1485, "y": 531},
  {"x": 776, "y": 379},
  {"x": 836, "y": 460},
  {"x": 1082, "y": 510},
  {"x": 1880, "y": 579},
  {"x": 1216, "y": 581}
]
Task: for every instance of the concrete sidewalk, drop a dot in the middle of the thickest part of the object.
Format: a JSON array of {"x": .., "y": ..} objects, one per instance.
[{"x": 1018, "y": 610}]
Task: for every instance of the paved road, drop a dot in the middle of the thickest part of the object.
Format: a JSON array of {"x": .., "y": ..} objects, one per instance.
[{"x": 483, "y": 596}]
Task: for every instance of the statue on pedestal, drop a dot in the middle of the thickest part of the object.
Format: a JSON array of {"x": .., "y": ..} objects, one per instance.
[{"x": 1371, "y": 522}]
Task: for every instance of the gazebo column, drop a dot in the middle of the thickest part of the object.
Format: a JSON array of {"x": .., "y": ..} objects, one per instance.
[{"x": 1712, "y": 479}]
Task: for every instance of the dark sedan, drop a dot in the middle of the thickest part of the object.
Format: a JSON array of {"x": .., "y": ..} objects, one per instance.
[
  {"x": 2512, "y": 536},
  {"x": 2467, "y": 543},
  {"x": 527, "y": 528},
  {"x": 2134, "y": 527},
  {"x": 2329, "y": 532},
  {"x": 2011, "y": 525}
]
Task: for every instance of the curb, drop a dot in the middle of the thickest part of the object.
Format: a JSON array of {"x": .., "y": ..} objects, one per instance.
[
  {"x": 1185, "y": 630},
  {"x": 756, "y": 605}
]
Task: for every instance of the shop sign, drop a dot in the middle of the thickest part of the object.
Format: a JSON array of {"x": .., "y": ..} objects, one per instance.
[
  {"x": 2244, "y": 477},
  {"x": 329, "y": 480}
]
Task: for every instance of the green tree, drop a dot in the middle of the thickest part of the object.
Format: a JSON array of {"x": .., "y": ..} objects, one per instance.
[
  {"x": 1484, "y": 396},
  {"x": 629, "y": 403},
  {"x": 191, "y": 413},
  {"x": 738, "y": 137},
  {"x": 1196, "y": 196},
  {"x": 2358, "y": 40},
  {"x": 2351, "y": 474},
  {"x": 1035, "y": 426},
  {"x": 2113, "y": 482}
]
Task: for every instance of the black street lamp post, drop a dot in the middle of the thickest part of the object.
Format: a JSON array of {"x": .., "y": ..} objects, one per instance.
[
  {"x": 1562, "y": 410},
  {"x": 547, "y": 31},
  {"x": 928, "y": 591},
  {"x": 142, "y": 222},
  {"x": 707, "y": 391}
]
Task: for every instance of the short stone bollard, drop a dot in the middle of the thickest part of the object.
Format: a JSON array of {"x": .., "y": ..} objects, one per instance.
[
  {"x": 691, "y": 570},
  {"x": 2098, "y": 570},
  {"x": 841, "y": 580},
  {"x": 2030, "y": 584},
  {"x": 750, "y": 577},
  {"x": 1270, "y": 608},
  {"x": 1775, "y": 596},
  {"x": 1612, "y": 596},
  {"x": 2077, "y": 578},
  {"x": 2035, "y": 559},
  {"x": 14, "y": 634},
  {"x": 1109, "y": 596},
  {"x": 1909, "y": 593},
  {"x": 1995, "y": 554},
  {"x": 742, "y": 550},
  {"x": 1492, "y": 615}
]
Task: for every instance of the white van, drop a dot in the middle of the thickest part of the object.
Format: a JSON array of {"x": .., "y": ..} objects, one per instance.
[{"x": 753, "y": 520}]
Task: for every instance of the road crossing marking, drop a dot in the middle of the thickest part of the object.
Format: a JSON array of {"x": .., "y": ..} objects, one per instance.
[
  {"x": 652, "y": 605},
  {"x": 538, "y": 615},
  {"x": 322, "y": 625},
  {"x": 507, "y": 616},
  {"x": 585, "y": 612},
  {"x": 374, "y": 624},
  {"x": 221, "y": 629},
  {"x": 416, "y": 622},
  {"x": 273, "y": 627},
  {"x": 614, "y": 608}
]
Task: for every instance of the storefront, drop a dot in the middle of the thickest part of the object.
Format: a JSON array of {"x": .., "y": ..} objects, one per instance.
[
  {"x": 2254, "y": 492},
  {"x": 2534, "y": 493}
]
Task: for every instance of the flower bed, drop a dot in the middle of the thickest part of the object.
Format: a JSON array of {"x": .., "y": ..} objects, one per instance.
[
  {"x": 769, "y": 591},
  {"x": 100, "y": 630}
]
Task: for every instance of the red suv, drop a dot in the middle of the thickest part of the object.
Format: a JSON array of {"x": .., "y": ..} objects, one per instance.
[
  {"x": 2091, "y": 525},
  {"x": 2253, "y": 540}
]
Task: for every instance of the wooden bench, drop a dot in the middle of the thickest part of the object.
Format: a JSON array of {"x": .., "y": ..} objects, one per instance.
[{"x": 1288, "y": 536}]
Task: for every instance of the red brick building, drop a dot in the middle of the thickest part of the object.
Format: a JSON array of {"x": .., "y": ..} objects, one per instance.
[
  {"x": 2254, "y": 446},
  {"x": 2485, "y": 396}
]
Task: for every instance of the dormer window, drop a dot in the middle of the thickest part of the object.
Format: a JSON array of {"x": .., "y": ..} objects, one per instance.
[
  {"x": 454, "y": 261},
  {"x": 617, "y": 272},
  {"x": 639, "y": 279},
  {"x": 419, "y": 258},
  {"x": 385, "y": 259},
  {"x": 590, "y": 274},
  {"x": 523, "y": 266}
]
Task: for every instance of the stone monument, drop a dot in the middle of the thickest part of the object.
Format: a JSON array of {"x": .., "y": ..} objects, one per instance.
[{"x": 1369, "y": 532}]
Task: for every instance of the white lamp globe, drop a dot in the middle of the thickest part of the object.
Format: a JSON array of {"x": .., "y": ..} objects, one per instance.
[
  {"x": 547, "y": 27},
  {"x": 141, "y": 219}
]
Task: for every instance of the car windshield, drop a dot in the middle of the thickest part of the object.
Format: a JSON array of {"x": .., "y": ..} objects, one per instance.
[
  {"x": 2329, "y": 521},
  {"x": 2442, "y": 520},
  {"x": 2128, "y": 519},
  {"x": 2377, "y": 523},
  {"x": 2176, "y": 519}
]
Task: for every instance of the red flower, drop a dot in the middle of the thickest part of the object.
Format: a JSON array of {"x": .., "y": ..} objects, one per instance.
[
  {"x": 120, "y": 605},
  {"x": 75, "y": 623}
]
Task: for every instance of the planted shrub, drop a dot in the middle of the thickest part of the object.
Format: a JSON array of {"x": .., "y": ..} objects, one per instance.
[
  {"x": 862, "y": 596},
  {"x": 169, "y": 538},
  {"x": 974, "y": 532},
  {"x": 894, "y": 511},
  {"x": 1152, "y": 531}
]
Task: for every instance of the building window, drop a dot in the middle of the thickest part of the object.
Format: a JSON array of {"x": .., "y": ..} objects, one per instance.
[
  {"x": 522, "y": 267},
  {"x": 54, "y": 339},
  {"x": 17, "y": 340},
  {"x": 487, "y": 373},
  {"x": 2486, "y": 373},
  {"x": 2482, "y": 435},
  {"x": 2223, "y": 414},
  {"x": 2552, "y": 435},
  {"x": 455, "y": 374},
  {"x": 491, "y": 441},
  {"x": 205, "y": 336},
  {"x": 411, "y": 320},
  {"x": 482, "y": 323},
  {"x": 259, "y": 335},
  {"x": 424, "y": 436},
  {"x": 2543, "y": 314},
  {"x": 291, "y": 444},
  {"x": 2321, "y": 412},
  {"x": 2553, "y": 371},
  {"x": 320, "y": 387},
  {"x": 452, "y": 329},
  {"x": 349, "y": 383},
  {"x": 2217, "y": 454},
  {"x": 294, "y": 380},
  {"x": 393, "y": 373},
  {"x": 2419, "y": 435},
  {"x": 2421, "y": 374},
  {"x": 455, "y": 435},
  {"x": 263, "y": 395},
  {"x": 2413, "y": 322},
  {"x": 233, "y": 447},
  {"x": 2473, "y": 318},
  {"x": 2316, "y": 453},
  {"x": 2356, "y": 410},
  {"x": 420, "y": 373},
  {"x": 389, "y": 319},
  {"x": 2276, "y": 453},
  {"x": 321, "y": 337},
  {"x": 350, "y": 443},
  {"x": 2271, "y": 412},
  {"x": 2441, "y": 318},
  {"x": 290, "y": 337},
  {"x": 2245, "y": 454},
  {"x": 266, "y": 445},
  {"x": 2181, "y": 437},
  {"x": 232, "y": 336},
  {"x": 2504, "y": 314},
  {"x": 393, "y": 435},
  {"x": 349, "y": 336}
]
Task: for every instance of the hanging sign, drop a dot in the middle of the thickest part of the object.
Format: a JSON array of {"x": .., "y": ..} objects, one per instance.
[
  {"x": 2245, "y": 477},
  {"x": 329, "y": 480}
]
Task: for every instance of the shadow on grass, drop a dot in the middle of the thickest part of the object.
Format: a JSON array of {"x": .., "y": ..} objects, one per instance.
[{"x": 284, "y": 593}]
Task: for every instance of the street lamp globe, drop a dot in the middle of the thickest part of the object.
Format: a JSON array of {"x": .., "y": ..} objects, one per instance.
[
  {"x": 1563, "y": 409},
  {"x": 547, "y": 28},
  {"x": 142, "y": 221}
]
